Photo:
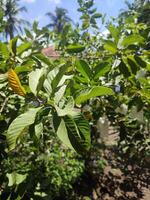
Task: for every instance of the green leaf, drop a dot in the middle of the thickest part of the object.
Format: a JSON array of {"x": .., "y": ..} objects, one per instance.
[
  {"x": 26, "y": 66},
  {"x": 18, "y": 126},
  {"x": 124, "y": 69},
  {"x": 133, "y": 66},
  {"x": 64, "y": 78},
  {"x": 44, "y": 59},
  {"x": 15, "y": 178},
  {"x": 74, "y": 131},
  {"x": 38, "y": 130},
  {"x": 36, "y": 80},
  {"x": 84, "y": 69},
  {"x": 132, "y": 39},
  {"x": 114, "y": 31},
  {"x": 101, "y": 69},
  {"x": 23, "y": 68},
  {"x": 145, "y": 93},
  {"x": 78, "y": 133},
  {"x": 93, "y": 92},
  {"x": 63, "y": 134},
  {"x": 140, "y": 61},
  {"x": 110, "y": 46},
  {"x": 13, "y": 45},
  {"x": 23, "y": 47},
  {"x": 67, "y": 108},
  {"x": 4, "y": 50},
  {"x": 48, "y": 81},
  {"x": 89, "y": 4},
  {"x": 75, "y": 48},
  {"x": 59, "y": 76},
  {"x": 85, "y": 24},
  {"x": 97, "y": 15},
  {"x": 59, "y": 94}
]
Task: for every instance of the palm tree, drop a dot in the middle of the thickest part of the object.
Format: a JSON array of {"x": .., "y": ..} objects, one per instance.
[
  {"x": 11, "y": 11},
  {"x": 59, "y": 19}
]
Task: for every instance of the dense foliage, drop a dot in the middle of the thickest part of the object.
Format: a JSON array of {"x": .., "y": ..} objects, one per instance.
[{"x": 45, "y": 101}]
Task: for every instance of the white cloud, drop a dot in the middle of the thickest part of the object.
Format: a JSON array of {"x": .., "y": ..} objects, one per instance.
[
  {"x": 28, "y": 1},
  {"x": 55, "y": 1}
]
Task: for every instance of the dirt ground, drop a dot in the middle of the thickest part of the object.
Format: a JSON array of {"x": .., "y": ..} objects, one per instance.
[{"x": 120, "y": 180}]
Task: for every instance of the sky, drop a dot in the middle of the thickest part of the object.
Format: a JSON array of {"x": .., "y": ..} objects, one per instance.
[{"x": 38, "y": 8}]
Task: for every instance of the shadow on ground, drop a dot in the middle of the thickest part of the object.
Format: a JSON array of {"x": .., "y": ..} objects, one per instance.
[{"x": 120, "y": 180}]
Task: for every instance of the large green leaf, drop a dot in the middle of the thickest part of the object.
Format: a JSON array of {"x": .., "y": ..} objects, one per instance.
[
  {"x": 133, "y": 65},
  {"x": 74, "y": 131},
  {"x": 18, "y": 126},
  {"x": 13, "y": 45},
  {"x": 75, "y": 48},
  {"x": 132, "y": 39},
  {"x": 78, "y": 132},
  {"x": 26, "y": 66},
  {"x": 83, "y": 68},
  {"x": 63, "y": 134},
  {"x": 95, "y": 91},
  {"x": 124, "y": 69},
  {"x": 23, "y": 47},
  {"x": 36, "y": 80},
  {"x": 44, "y": 59},
  {"x": 59, "y": 75},
  {"x": 110, "y": 46},
  {"x": 140, "y": 61},
  {"x": 66, "y": 107},
  {"x": 59, "y": 94},
  {"x": 114, "y": 31},
  {"x": 48, "y": 81},
  {"x": 101, "y": 69}
]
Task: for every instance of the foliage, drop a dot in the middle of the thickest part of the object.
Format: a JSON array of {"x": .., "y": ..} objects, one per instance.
[
  {"x": 139, "y": 7},
  {"x": 46, "y": 172},
  {"x": 45, "y": 101}
]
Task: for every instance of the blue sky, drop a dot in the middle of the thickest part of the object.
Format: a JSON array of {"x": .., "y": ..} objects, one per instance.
[{"x": 38, "y": 8}]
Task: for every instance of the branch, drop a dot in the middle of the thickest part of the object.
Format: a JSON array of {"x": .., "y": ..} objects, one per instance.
[{"x": 3, "y": 105}]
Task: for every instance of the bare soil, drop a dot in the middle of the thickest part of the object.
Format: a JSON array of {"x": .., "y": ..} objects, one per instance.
[{"x": 120, "y": 180}]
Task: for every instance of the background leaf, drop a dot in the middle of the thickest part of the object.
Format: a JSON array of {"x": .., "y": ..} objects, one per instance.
[
  {"x": 75, "y": 48},
  {"x": 132, "y": 39},
  {"x": 93, "y": 92}
]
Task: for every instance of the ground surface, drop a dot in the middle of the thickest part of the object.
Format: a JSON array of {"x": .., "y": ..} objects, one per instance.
[{"x": 120, "y": 180}]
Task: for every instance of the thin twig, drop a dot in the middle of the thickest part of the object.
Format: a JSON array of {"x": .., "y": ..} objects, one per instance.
[{"x": 3, "y": 105}]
